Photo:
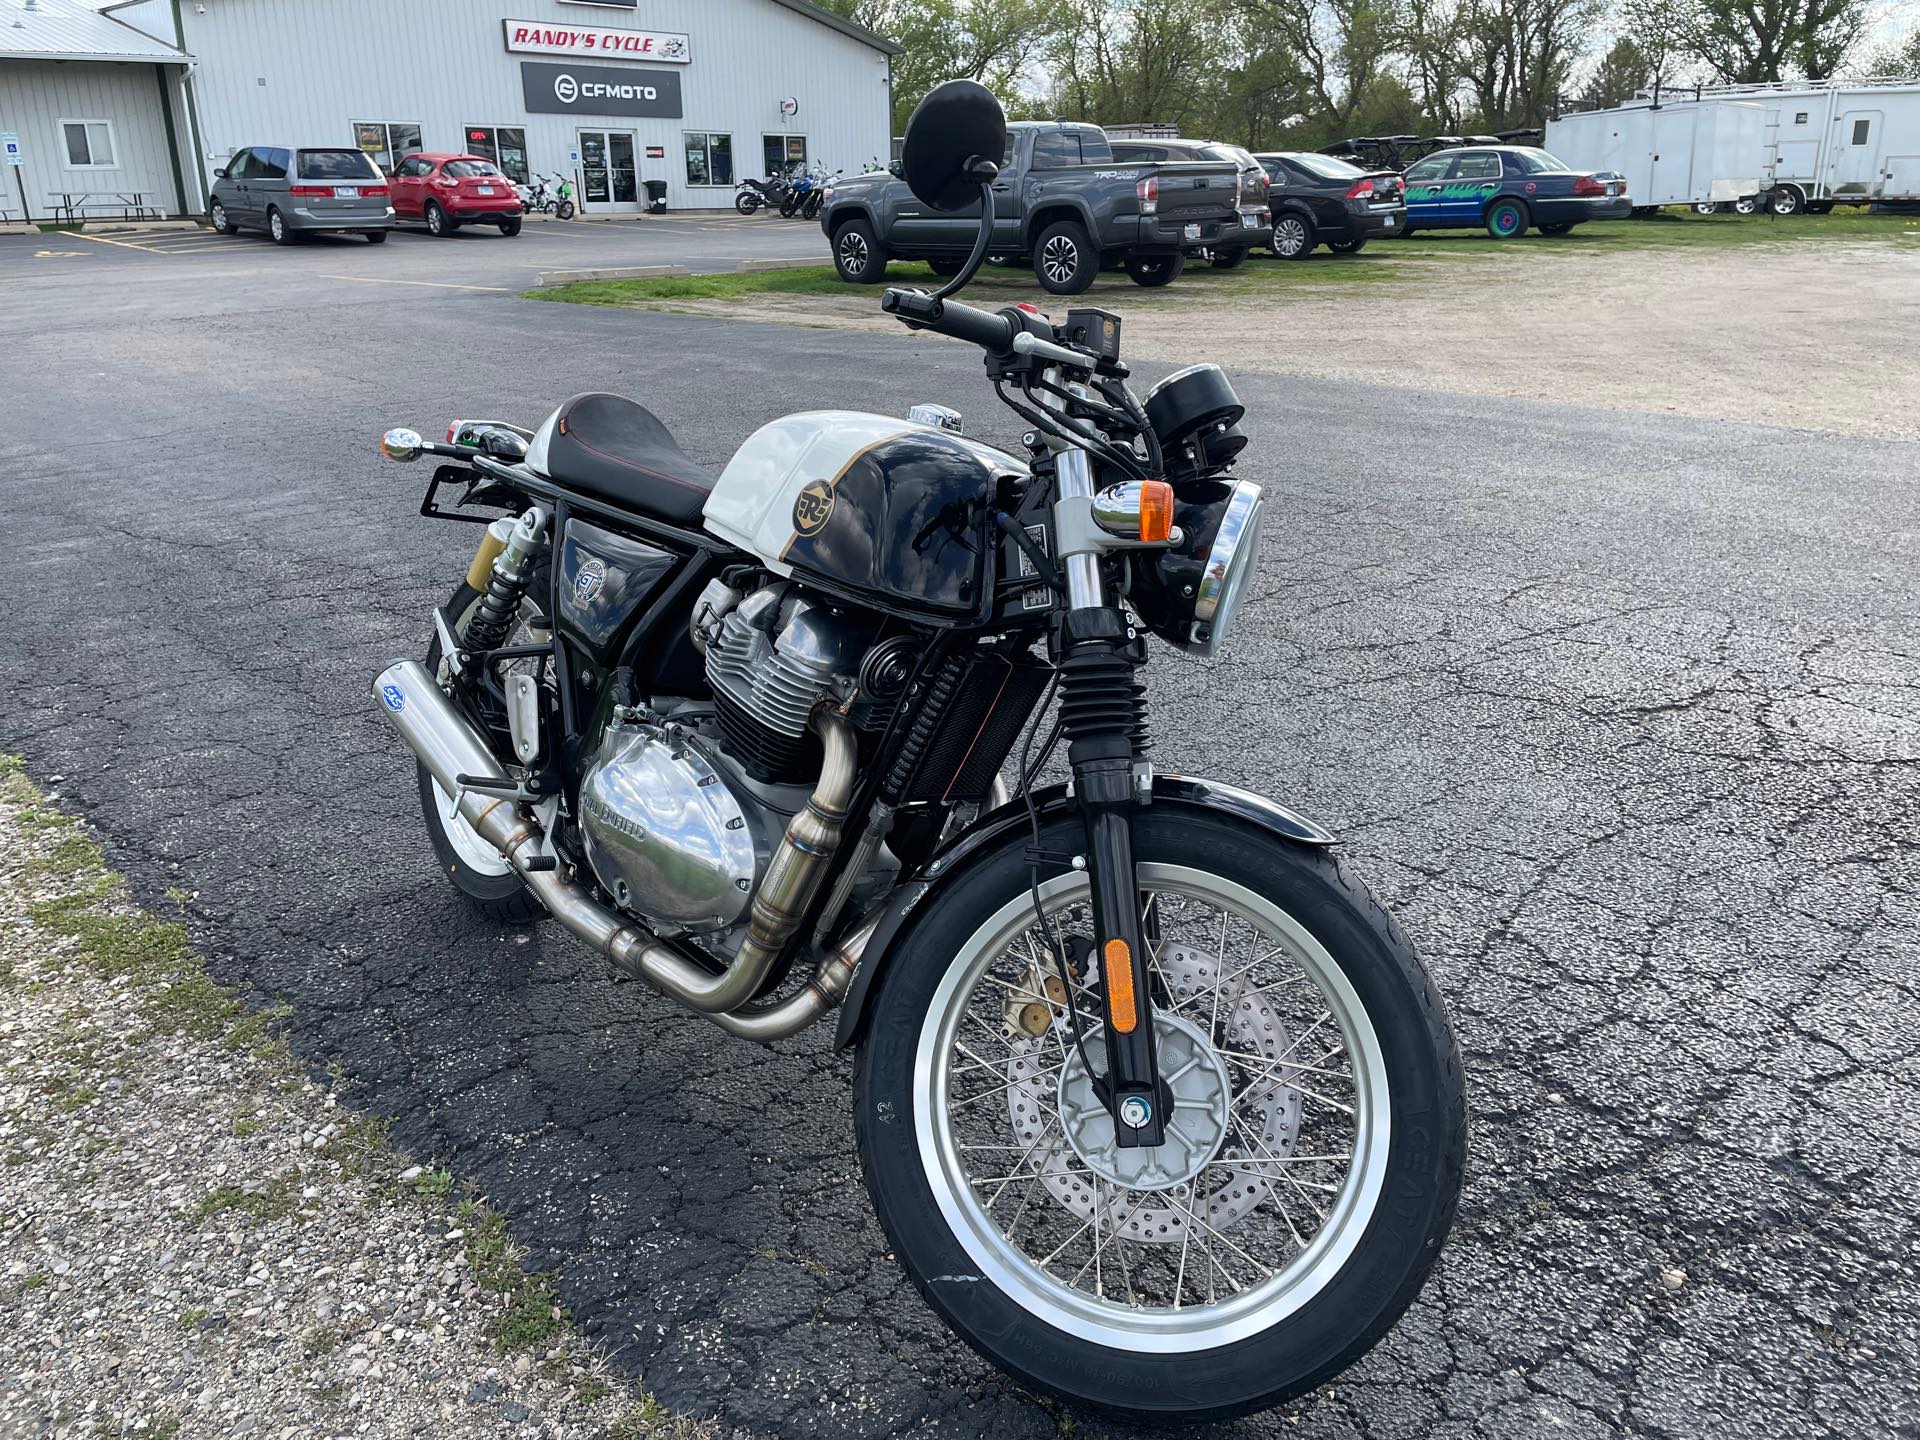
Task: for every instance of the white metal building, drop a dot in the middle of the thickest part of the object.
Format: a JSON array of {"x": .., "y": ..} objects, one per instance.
[
  {"x": 696, "y": 93},
  {"x": 86, "y": 111}
]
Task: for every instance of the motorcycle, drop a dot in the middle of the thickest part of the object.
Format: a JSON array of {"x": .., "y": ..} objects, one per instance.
[
  {"x": 753, "y": 195},
  {"x": 1157, "y": 1107},
  {"x": 816, "y": 196},
  {"x": 800, "y": 188},
  {"x": 550, "y": 197}
]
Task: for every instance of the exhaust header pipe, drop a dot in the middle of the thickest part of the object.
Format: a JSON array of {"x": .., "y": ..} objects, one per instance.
[{"x": 450, "y": 747}]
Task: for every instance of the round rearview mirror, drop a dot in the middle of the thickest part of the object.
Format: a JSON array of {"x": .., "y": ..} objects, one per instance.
[
  {"x": 958, "y": 125},
  {"x": 401, "y": 445}
]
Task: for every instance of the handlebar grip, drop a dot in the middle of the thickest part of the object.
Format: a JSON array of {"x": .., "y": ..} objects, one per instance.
[{"x": 984, "y": 328}]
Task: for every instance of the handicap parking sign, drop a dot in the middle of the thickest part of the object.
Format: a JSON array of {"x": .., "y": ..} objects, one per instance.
[{"x": 10, "y": 142}]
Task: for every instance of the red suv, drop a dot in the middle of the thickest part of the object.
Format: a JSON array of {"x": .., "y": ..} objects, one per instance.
[{"x": 448, "y": 191}]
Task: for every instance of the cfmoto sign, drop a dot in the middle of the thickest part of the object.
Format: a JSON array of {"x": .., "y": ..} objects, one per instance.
[{"x": 600, "y": 90}]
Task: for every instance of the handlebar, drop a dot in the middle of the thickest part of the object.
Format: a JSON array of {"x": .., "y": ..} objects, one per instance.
[{"x": 985, "y": 328}]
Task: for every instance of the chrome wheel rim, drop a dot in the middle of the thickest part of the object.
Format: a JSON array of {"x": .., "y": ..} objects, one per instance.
[
  {"x": 1290, "y": 235},
  {"x": 279, "y": 226},
  {"x": 1060, "y": 259},
  {"x": 219, "y": 216},
  {"x": 434, "y": 220},
  {"x": 853, "y": 251},
  {"x": 1253, "y": 1248}
]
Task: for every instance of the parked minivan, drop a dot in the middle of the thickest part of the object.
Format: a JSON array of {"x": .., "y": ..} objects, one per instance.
[{"x": 291, "y": 192}]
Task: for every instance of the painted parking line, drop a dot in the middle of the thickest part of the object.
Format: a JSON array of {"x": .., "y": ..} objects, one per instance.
[
  {"x": 430, "y": 284},
  {"x": 123, "y": 244}
]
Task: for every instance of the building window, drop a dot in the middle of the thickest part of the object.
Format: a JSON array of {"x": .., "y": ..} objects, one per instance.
[
  {"x": 783, "y": 153},
  {"x": 505, "y": 145},
  {"x": 89, "y": 144},
  {"x": 709, "y": 158},
  {"x": 385, "y": 141},
  {"x": 1799, "y": 117},
  {"x": 1860, "y": 128}
]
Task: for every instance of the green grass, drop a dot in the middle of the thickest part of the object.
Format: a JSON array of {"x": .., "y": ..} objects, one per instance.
[{"x": 1383, "y": 261}]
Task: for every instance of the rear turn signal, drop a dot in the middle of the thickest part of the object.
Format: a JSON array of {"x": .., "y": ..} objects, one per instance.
[
  {"x": 1587, "y": 185},
  {"x": 1360, "y": 190},
  {"x": 1116, "y": 967},
  {"x": 1149, "y": 192}
]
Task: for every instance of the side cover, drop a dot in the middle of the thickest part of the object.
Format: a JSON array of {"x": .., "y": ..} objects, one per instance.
[{"x": 868, "y": 504}]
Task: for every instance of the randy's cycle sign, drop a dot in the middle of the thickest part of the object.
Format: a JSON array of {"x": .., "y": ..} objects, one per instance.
[
  {"x": 600, "y": 90},
  {"x": 614, "y": 42}
]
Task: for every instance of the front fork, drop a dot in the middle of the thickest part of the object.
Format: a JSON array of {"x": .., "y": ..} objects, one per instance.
[{"x": 1100, "y": 713}]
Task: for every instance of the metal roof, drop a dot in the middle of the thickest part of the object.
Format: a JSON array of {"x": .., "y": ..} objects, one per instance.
[{"x": 68, "y": 30}]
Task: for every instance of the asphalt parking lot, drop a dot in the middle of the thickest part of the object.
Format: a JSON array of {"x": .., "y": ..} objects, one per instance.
[{"x": 1620, "y": 712}]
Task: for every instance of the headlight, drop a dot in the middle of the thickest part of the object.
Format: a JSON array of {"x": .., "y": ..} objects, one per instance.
[{"x": 1189, "y": 596}]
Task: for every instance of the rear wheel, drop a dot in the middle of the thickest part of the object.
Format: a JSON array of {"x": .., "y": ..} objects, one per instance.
[
  {"x": 473, "y": 866},
  {"x": 510, "y": 226},
  {"x": 1559, "y": 227},
  {"x": 1153, "y": 271},
  {"x": 1292, "y": 236},
  {"x": 746, "y": 202},
  {"x": 858, "y": 254},
  {"x": 277, "y": 227},
  {"x": 376, "y": 237},
  {"x": 1746, "y": 205},
  {"x": 1348, "y": 247},
  {"x": 946, "y": 266},
  {"x": 1227, "y": 259},
  {"x": 438, "y": 222},
  {"x": 1313, "y": 1162},
  {"x": 1064, "y": 260},
  {"x": 1506, "y": 220},
  {"x": 1786, "y": 201}
]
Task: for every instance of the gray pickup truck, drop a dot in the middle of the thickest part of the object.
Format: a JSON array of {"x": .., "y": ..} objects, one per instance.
[{"x": 1060, "y": 198}]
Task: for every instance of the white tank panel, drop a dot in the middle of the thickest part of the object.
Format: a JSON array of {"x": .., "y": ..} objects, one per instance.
[{"x": 753, "y": 501}]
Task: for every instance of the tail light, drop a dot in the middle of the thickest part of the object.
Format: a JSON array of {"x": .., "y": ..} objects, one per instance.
[
  {"x": 1587, "y": 185},
  {"x": 1360, "y": 190},
  {"x": 1149, "y": 192}
]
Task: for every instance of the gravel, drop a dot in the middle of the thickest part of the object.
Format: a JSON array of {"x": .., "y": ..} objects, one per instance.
[{"x": 198, "y": 1239}]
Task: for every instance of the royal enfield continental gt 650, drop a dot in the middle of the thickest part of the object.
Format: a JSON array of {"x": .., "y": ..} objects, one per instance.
[{"x": 1157, "y": 1106}]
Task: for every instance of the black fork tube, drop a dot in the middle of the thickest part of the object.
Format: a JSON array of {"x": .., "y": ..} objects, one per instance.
[{"x": 1100, "y": 711}]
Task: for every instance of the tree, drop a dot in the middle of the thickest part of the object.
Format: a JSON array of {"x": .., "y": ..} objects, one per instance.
[
  {"x": 1339, "y": 46},
  {"x": 1622, "y": 71},
  {"x": 992, "y": 41},
  {"x": 1900, "y": 58},
  {"x": 1748, "y": 41},
  {"x": 1157, "y": 60}
]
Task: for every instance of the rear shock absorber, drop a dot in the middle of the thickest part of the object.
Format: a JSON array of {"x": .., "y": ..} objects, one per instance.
[{"x": 512, "y": 570}]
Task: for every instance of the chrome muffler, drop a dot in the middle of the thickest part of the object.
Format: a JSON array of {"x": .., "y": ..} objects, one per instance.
[{"x": 450, "y": 748}]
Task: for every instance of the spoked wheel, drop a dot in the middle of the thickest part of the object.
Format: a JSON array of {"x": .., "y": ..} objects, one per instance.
[
  {"x": 1312, "y": 1160},
  {"x": 473, "y": 866}
]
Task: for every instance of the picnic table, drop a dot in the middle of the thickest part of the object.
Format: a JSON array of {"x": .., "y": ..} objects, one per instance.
[{"x": 130, "y": 203}]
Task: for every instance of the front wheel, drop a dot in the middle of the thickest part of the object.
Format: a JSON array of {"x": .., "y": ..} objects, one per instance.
[
  {"x": 564, "y": 210},
  {"x": 1064, "y": 260},
  {"x": 1313, "y": 1162},
  {"x": 1506, "y": 220},
  {"x": 858, "y": 254}
]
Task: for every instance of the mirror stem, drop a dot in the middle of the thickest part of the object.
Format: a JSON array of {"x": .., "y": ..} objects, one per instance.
[{"x": 980, "y": 245}]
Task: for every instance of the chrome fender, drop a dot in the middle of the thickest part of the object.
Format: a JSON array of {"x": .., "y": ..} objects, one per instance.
[{"x": 1010, "y": 824}]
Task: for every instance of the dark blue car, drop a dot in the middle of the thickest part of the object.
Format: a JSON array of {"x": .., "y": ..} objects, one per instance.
[{"x": 1505, "y": 189}]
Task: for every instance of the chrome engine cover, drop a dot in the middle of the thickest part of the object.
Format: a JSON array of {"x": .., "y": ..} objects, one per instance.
[
  {"x": 778, "y": 652},
  {"x": 664, "y": 833}
]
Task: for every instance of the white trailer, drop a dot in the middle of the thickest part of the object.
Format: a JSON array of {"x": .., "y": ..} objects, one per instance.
[
  {"x": 1673, "y": 153},
  {"x": 1823, "y": 142}
]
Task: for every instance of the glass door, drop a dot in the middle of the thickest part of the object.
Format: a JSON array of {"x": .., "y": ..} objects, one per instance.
[
  {"x": 621, "y": 173},
  {"x": 595, "y": 189}
]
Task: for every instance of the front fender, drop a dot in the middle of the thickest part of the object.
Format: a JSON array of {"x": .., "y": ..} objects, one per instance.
[{"x": 1010, "y": 824}]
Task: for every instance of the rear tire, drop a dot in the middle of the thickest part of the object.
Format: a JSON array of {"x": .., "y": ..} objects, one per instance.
[
  {"x": 945, "y": 266},
  {"x": 1506, "y": 220},
  {"x": 1348, "y": 247},
  {"x": 746, "y": 202},
  {"x": 437, "y": 222},
  {"x": 1560, "y": 227},
  {"x": 1292, "y": 236},
  {"x": 1064, "y": 260},
  {"x": 376, "y": 237},
  {"x": 858, "y": 255},
  {"x": 1786, "y": 201},
  {"x": 1227, "y": 259},
  {"x": 277, "y": 227},
  {"x": 510, "y": 226},
  {"x": 1322, "y": 1305},
  {"x": 1153, "y": 271},
  {"x": 494, "y": 887}
]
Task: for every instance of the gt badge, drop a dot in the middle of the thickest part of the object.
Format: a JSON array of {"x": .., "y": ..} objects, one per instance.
[
  {"x": 813, "y": 509},
  {"x": 586, "y": 585}
]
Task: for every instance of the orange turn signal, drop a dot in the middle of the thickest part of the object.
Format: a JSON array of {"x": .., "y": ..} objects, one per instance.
[
  {"x": 1117, "y": 969},
  {"x": 1156, "y": 510}
]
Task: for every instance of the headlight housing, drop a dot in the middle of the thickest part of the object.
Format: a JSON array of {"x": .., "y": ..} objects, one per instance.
[{"x": 1190, "y": 595}]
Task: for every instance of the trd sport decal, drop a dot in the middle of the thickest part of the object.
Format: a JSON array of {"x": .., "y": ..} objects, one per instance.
[{"x": 813, "y": 508}]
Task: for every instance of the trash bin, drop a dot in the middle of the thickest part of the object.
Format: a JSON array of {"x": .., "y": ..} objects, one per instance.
[{"x": 656, "y": 197}]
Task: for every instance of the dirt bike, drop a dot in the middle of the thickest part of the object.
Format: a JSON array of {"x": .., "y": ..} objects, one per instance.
[{"x": 1157, "y": 1107}]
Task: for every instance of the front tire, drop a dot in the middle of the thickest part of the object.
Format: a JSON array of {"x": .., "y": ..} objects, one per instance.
[
  {"x": 981, "y": 1155},
  {"x": 1506, "y": 220},
  {"x": 1064, "y": 260},
  {"x": 858, "y": 254},
  {"x": 222, "y": 221},
  {"x": 564, "y": 210}
]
